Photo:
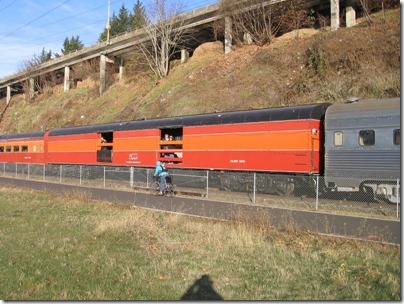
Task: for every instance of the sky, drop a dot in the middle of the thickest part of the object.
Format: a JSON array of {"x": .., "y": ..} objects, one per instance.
[{"x": 28, "y": 26}]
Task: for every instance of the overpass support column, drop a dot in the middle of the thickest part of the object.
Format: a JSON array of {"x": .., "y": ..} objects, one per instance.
[
  {"x": 67, "y": 79},
  {"x": 228, "y": 34},
  {"x": 334, "y": 4},
  {"x": 184, "y": 56},
  {"x": 8, "y": 98},
  {"x": 247, "y": 38},
  {"x": 103, "y": 66},
  {"x": 31, "y": 87},
  {"x": 121, "y": 70},
  {"x": 350, "y": 16}
]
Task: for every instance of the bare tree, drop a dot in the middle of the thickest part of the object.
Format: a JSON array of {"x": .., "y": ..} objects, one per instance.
[
  {"x": 89, "y": 69},
  {"x": 31, "y": 65},
  {"x": 259, "y": 21},
  {"x": 255, "y": 20},
  {"x": 31, "y": 68},
  {"x": 164, "y": 32}
]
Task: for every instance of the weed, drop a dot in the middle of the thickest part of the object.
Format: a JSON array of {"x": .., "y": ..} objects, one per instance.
[{"x": 316, "y": 61}]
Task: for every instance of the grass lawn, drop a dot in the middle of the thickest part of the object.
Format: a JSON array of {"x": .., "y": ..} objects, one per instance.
[{"x": 68, "y": 247}]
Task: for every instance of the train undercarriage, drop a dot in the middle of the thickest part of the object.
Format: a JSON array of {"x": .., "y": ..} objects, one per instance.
[
  {"x": 381, "y": 191},
  {"x": 271, "y": 184}
]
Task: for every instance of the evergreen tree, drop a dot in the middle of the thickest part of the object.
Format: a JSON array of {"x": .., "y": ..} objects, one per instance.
[
  {"x": 114, "y": 30},
  {"x": 123, "y": 20},
  {"x": 138, "y": 18},
  {"x": 118, "y": 24},
  {"x": 44, "y": 56},
  {"x": 71, "y": 45}
]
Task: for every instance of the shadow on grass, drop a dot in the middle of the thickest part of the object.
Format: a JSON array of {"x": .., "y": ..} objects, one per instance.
[{"x": 201, "y": 289}]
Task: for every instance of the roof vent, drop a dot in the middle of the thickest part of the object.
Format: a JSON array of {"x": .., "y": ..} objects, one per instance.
[{"x": 352, "y": 99}]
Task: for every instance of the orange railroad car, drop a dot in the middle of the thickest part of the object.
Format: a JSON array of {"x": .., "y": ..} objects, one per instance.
[
  {"x": 23, "y": 148},
  {"x": 282, "y": 140}
]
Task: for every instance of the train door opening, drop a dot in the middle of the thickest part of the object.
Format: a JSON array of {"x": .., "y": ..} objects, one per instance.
[
  {"x": 105, "y": 147},
  {"x": 170, "y": 148}
]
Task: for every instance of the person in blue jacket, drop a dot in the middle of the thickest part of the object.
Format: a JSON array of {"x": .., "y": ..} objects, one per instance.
[{"x": 161, "y": 172}]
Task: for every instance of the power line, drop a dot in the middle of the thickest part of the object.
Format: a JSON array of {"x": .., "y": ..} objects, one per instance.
[
  {"x": 57, "y": 21},
  {"x": 44, "y": 14},
  {"x": 190, "y": 6},
  {"x": 76, "y": 14},
  {"x": 198, "y": 4},
  {"x": 54, "y": 34},
  {"x": 7, "y": 5}
]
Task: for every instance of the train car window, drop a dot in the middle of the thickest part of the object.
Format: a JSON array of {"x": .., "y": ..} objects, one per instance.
[
  {"x": 171, "y": 134},
  {"x": 104, "y": 155},
  {"x": 8, "y": 149},
  {"x": 1, "y": 149},
  {"x": 24, "y": 148},
  {"x": 397, "y": 137},
  {"x": 366, "y": 137},
  {"x": 171, "y": 145},
  {"x": 107, "y": 137},
  {"x": 338, "y": 138},
  {"x": 16, "y": 148}
]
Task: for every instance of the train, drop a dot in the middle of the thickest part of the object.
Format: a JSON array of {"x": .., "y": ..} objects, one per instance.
[{"x": 354, "y": 145}]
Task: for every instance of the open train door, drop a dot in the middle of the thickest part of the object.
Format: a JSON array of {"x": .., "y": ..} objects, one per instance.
[{"x": 105, "y": 147}]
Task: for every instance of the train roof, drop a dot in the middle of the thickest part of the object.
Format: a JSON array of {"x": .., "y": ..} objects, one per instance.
[
  {"x": 312, "y": 111},
  {"x": 369, "y": 107},
  {"x": 22, "y": 135}
]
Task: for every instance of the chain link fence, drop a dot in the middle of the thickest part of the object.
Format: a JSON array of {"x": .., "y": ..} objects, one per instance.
[{"x": 282, "y": 191}]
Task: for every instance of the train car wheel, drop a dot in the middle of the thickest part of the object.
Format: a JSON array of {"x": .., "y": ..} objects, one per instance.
[
  {"x": 262, "y": 184},
  {"x": 224, "y": 183},
  {"x": 237, "y": 185},
  {"x": 283, "y": 186}
]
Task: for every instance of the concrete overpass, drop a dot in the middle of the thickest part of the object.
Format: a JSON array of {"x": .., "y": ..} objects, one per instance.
[{"x": 199, "y": 20}]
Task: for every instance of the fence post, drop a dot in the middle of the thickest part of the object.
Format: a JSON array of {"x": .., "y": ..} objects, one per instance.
[
  {"x": 147, "y": 178},
  {"x": 28, "y": 171},
  {"x": 317, "y": 186},
  {"x": 60, "y": 174},
  {"x": 16, "y": 170},
  {"x": 398, "y": 195},
  {"x": 43, "y": 172},
  {"x": 255, "y": 185},
  {"x": 207, "y": 183},
  {"x": 131, "y": 170},
  {"x": 104, "y": 176},
  {"x": 4, "y": 169},
  {"x": 80, "y": 174}
]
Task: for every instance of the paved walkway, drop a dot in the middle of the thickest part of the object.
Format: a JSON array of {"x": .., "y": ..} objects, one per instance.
[{"x": 324, "y": 223}]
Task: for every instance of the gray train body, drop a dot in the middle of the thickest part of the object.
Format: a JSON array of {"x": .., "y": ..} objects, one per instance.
[{"x": 362, "y": 147}]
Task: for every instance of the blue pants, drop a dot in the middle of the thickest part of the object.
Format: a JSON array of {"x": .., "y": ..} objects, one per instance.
[{"x": 162, "y": 182}]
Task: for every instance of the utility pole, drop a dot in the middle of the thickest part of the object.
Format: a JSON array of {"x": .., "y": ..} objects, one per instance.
[{"x": 108, "y": 26}]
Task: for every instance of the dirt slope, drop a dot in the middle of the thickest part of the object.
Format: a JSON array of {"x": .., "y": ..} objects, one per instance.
[{"x": 301, "y": 67}]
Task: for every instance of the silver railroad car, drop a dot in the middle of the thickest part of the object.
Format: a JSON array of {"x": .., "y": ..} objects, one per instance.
[{"x": 362, "y": 147}]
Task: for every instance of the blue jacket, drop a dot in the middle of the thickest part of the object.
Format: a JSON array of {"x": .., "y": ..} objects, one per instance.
[{"x": 159, "y": 170}]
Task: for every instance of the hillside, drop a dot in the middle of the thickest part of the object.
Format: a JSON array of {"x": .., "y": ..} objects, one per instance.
[{"x": 301, "y": 67}]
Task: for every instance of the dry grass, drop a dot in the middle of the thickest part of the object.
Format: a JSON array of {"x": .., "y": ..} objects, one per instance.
[
  {"x": 69, "y": 249},
  {"x": 298, "y": 68}
]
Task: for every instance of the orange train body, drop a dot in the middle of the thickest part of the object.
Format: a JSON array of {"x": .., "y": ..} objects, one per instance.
[
  {"x": 23, "y": 150},
  {"x": 275, "y": 140},
  {"x": 318, "y": 139}
]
